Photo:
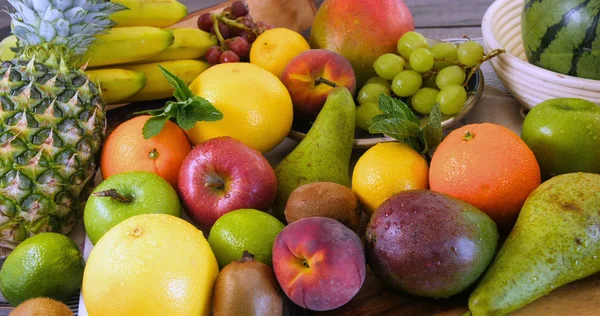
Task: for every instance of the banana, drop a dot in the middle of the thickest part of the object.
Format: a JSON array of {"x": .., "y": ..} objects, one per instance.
[
  {"x": 157, "y": 86},
  {"x": 127, "y": 44},
  {"x": 159, "y": 13},
  {"x": 189, "y": 43},
  {"x": 5, "y": 46},
  {"x": 117, "y": 84}
]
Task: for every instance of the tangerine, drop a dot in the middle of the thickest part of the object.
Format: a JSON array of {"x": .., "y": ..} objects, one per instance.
[
  {"x": 488, "y": 166},
  {"x": 126, "y": 149}
]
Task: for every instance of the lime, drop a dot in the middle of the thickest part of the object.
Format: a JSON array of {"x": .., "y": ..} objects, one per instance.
[
  {"x": 244, "y": 229},
  {"x": 44, "y": 265}
]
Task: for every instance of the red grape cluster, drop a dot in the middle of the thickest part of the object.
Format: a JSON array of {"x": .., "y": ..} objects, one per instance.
[{"x": 235, "y": 30}]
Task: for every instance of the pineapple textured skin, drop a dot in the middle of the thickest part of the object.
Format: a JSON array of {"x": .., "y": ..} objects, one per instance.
[
  {"x": 53, "y": 123},
  {"x": 52, "y": 118}
]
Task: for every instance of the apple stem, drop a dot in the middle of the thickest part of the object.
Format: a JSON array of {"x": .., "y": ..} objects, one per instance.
[
  {"x": 328, "y": 82},
  {"x": 113, "y": 194},
  {"x": 216, "y": 185},
  {"x": 305, "y": 264}
]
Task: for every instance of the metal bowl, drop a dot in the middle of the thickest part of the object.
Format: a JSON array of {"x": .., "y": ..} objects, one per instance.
[{"x": 363, "y": 139}]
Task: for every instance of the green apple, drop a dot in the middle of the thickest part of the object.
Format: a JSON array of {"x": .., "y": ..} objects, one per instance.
[
  {"x": 365, "y": 112},
  {"x": 564, "y": 135},
  {"x": 125, "y": 195}
]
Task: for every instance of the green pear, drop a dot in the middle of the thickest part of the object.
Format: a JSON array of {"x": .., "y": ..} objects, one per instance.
[
  {"x": 555, "y": 241},
  {"x": 324, "y": 154}
]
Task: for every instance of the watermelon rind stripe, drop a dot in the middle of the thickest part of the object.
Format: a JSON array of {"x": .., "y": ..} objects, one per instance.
[
  {"x": 586, "y": 46},
  {"x": 553, "y": 31}
]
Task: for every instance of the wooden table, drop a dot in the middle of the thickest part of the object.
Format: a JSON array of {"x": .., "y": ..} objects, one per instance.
[{"x": 435, "y": 19}]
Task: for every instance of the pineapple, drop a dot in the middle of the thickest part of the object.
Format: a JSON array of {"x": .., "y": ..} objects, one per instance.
[{"x": 52, "y": 118}]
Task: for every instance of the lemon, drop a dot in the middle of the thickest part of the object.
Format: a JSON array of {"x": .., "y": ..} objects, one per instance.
[
  {"x": 275, "y": 48},
  {"x": 257, "y": 108},
  {"x": 150, "y": 264},
  {"x": 244, "y": 229},
  {"x": 45, "y": 265},
  {"x": 386, "y": 169}
]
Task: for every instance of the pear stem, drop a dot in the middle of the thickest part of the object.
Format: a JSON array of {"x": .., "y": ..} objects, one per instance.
[
  {"x": 113, "y": 194},
  {"x": 328, "y": 82}
]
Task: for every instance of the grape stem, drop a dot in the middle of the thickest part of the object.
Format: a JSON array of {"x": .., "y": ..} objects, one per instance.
[
  {"x": 492, "y": 54},
  {"x": 328, "y": 82},
  {"x": 233, "y": 23},
  {"x": 217, "y": 31}
]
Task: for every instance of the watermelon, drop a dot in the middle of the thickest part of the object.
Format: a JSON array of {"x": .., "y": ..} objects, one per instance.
[{"x": 563, "y": 36}]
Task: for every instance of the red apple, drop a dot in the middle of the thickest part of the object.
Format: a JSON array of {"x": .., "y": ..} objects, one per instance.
[
  {"x": 222, "y": 175},
  {"x": 319, "y": 263},
  {"x": 311, "y": 75},
  {"x": 361, "y": 30}
]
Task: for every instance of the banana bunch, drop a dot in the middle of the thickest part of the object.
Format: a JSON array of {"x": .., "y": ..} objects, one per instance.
[{"x": 124, "y": 62}]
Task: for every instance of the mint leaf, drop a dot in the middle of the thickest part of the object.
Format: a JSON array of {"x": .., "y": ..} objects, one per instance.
[
  {"x": 198, "y": 109},
  {"x": 394, "y": 127},
  {"x": 182, "y": 91},
  {"x": 186, "y": 111},
  {"x": 396, "y": 108},
  {"x": 154, "y": 125},
  {"x": 432, "y": 132}
]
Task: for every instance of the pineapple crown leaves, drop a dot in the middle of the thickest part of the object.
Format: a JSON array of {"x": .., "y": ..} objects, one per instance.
[
  {"x": 66, "y": 27},
  {"x": 186, "y": 111},
  {"x": 400, "y": 123}
]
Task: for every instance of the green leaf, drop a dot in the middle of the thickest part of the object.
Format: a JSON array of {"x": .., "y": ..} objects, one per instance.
[
  {"x": 198, "y": 109},
  {"x": 154, "y": 125},
  {"x": 396, "y": 108},
  {"x": 182, "y": 91},
  {"x": 432, "y": 132},
  {"x": 187, "y": 110},
  {"x": 395, "y": 127}
]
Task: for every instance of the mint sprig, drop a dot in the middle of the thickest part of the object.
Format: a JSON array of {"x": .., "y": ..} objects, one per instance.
[
  {"x": 400, "y": 123},
  {"x": 186, "y": 111}
]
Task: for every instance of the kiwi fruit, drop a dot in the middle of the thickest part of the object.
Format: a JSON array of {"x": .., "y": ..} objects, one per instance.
[
  {"x": 324, "y": 199},
  {"x": 41, "y": 306},
  {"x": 247, "y": 287}
]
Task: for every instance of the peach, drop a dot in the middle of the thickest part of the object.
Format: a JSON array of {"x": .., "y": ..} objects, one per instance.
[
  {"x": 319, "y": 263},
  {"x": 361, "y": 30},
  {"x": 311, "y": 75}
]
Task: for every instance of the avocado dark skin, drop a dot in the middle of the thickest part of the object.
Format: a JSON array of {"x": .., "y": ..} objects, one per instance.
[{"x": 429, "y": 244}]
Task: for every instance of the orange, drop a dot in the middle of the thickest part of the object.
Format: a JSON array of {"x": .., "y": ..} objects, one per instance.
[
  {"x": 125, "y": 149},
  {"x": 385, "y": 170},
  {"x": 275, "y": 48},
  {"x": 488, "y": 166},
  {"x": 257, "y": 108},
  {"x": 150, "y": 264}
]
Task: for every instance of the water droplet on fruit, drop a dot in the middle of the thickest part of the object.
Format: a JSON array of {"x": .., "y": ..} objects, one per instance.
[
  {"x": 386, "y": 214},
  {"x": 535, "y": 278},
  {"x": 227, "y": 195},
  {"x": 453, "y": 249},
  {"x": 387, "y": 225},
  {"x": 438, "y": 263},
  {"x": 595, "y": 257}
]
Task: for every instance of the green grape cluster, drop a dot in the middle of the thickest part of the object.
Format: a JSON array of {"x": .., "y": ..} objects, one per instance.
[{"x": 423, "y": 75}]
